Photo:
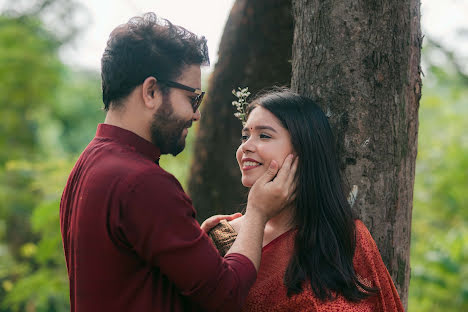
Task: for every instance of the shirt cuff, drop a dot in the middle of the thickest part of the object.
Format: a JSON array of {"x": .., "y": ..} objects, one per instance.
[{"x": 245, "y": 271}]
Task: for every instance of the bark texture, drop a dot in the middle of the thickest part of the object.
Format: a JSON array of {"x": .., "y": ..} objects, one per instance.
[
  {"x": 361, "y": 60},
  {"x": 255, "y": 51}
]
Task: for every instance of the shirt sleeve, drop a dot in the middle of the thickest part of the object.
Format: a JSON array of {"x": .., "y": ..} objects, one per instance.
[{"x": 158, "y": 221}]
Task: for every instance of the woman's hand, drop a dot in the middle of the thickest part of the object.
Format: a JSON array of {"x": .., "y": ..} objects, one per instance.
[{"x": 211, "y": 222}]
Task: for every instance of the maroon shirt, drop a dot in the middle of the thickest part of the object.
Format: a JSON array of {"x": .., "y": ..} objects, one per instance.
[{"x": 131, "y": 240}]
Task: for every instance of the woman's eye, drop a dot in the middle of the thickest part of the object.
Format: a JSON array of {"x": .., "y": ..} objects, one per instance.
[
  {"x": 244, "y": 138},
  {"x": 264, "y": 136}
]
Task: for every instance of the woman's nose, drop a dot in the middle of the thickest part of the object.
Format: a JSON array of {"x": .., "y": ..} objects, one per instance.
[{"x": 248, "y": 146}]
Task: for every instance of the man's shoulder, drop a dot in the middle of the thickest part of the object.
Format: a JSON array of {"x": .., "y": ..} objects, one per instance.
[
  {"x": 153, "y": 185},
  {"x": 120, "y": 162},
  {"x": 152, "y": 175},
  {"x": 115, "y": 156}
]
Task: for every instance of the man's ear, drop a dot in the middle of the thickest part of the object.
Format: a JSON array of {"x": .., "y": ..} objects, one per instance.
[{"x": 150, "y": 92}]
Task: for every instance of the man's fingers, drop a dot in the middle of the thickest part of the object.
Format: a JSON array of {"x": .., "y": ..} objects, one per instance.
[
  {"x": 208, "y": 224},
  {"x": 283, "y": 173},
  {"x": 270, "y": 173},
  {"x": 211, "y": 222},
  {"x": 292, "y": 173},
  {"x": 231, "y": 217},
  {"x": 292, "y": 182}
]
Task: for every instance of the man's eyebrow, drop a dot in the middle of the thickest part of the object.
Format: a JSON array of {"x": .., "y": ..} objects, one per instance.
[{"x": 246, "y": 129}]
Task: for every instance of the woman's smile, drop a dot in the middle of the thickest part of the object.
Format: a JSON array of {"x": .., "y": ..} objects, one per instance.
[
  {"x": 263, "y": 139},
  {"x": 249, "y": 164}
]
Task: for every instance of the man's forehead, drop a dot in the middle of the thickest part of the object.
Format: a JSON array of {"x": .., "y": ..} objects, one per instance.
[{"x": 191, "y": 75}]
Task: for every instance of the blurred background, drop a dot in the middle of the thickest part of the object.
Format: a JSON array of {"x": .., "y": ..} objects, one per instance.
[{"x": 50, "y": 104}]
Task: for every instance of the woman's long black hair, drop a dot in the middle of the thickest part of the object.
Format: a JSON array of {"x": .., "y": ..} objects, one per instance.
[{"x": 326, "y": 239}]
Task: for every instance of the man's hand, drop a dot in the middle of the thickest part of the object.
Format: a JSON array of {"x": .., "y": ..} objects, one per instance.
[
  {"x": 274, "y": 190},
  {"x": 211, "y": 222},
  {"x": 271, "y": 193}
]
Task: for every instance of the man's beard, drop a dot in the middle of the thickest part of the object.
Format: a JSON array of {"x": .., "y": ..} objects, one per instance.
[{"x": 166, "y": 129}]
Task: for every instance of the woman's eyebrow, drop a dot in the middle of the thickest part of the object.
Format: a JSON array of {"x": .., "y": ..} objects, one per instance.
[{"x": 246, "y": 129}]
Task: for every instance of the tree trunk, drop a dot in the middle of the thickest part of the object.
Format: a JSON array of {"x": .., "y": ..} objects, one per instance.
[
  {"x": 360, "y": 60},
  {"x": 255, "y": 51}
]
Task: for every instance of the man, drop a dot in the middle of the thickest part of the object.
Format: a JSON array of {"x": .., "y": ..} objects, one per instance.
[{"x": 129, "y": 232}]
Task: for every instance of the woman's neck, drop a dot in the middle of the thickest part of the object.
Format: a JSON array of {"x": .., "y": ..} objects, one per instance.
[{"x": 278, "y": 225}]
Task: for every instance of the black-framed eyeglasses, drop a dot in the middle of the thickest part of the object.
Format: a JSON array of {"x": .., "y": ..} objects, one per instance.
[{"x": 196, "y": 101}]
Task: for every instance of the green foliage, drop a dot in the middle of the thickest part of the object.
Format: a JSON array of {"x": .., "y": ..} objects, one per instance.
[
  {"x": 74, "y": 114},
  {"x": 49, "y": 113},
  {"x": 34, "y": 275},
  {"x": 61, "y": 15},
  {"x": 180, "y": 166},
  {"x": 439, "y": 246},
  {"x": 29, "y": 78}
]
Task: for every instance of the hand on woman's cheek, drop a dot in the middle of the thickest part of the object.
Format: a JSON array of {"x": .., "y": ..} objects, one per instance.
[{"x": 264, "y": 139}]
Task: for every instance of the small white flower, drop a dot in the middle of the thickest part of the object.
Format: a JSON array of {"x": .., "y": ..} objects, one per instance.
[{"x": 241, "y": 103}]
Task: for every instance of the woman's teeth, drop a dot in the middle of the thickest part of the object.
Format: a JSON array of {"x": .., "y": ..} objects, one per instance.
[{"x": 251, "y": 164}]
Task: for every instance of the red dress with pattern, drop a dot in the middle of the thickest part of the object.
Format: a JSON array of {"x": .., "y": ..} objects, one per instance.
[{"x": 269, "y": 293}]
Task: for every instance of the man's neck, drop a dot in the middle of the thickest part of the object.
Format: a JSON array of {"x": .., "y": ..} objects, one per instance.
[{"x": 125, "y": 121}]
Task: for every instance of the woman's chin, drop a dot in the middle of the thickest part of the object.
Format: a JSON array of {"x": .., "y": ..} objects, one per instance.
[{"x": 247, "y": 182}]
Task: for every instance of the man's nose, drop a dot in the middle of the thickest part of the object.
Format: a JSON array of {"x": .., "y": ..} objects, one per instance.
[{"x": 196, "y": 115}]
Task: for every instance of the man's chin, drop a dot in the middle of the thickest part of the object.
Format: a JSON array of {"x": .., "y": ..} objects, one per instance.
[{"x": 179, "y": 148}]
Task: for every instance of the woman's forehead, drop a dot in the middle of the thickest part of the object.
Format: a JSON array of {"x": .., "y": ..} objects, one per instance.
[{"x": 261, "y": 115}]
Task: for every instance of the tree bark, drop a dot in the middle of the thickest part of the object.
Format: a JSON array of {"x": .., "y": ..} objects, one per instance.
[
  {"x": 361, "y": 61},
  {"x": 255, "y": 51}
]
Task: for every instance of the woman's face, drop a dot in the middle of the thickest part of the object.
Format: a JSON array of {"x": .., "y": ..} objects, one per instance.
[{"x": 263, "y": 139}]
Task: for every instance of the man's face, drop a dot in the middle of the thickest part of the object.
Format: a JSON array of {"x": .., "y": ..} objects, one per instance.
[{"x": 171, "y": 121}]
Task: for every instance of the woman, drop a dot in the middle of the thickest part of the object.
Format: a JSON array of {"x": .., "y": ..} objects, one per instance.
[{"x": 316, "y": 256}]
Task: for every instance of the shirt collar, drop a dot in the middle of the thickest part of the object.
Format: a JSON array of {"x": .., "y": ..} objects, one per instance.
[{"x": 129, "y": 138}]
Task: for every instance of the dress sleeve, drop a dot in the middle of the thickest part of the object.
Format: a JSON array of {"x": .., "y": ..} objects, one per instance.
[
  {"x": 158, "y": 221},
  {"x": 372, "y": 271},
  {"x": 223, "y": 236}
]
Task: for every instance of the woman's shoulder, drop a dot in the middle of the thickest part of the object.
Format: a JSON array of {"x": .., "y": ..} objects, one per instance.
[
  {"x": 362, "y": 233},
  {"x": 371, "y": 269},
  {"x": 367, "y": 256},
  {"x": 366, "y": 248}
]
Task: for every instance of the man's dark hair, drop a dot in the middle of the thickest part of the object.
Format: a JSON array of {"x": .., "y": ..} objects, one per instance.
[{"x": 147, "y": 46}]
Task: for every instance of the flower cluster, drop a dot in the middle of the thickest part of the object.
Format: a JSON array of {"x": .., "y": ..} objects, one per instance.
[
  {"x": 241, "y": 103},
  {"x": 352, "y": 195}
]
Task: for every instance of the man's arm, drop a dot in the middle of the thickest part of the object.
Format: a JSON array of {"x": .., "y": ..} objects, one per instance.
[
  {"x": 268, "y": 196},
  {"x": 159, "y": 223}
]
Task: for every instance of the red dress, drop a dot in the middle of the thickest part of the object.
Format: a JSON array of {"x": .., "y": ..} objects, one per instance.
[{"x": 269, "y": 293}]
